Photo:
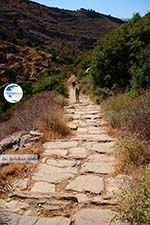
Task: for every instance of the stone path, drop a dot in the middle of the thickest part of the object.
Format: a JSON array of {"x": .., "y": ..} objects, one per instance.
[{"x": 74, "y": 182}]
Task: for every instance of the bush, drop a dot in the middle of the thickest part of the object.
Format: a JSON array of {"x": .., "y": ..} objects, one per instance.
[
  {"x": 49, "y": 83},
  {"x": 115, "y": 108},
  {"x": 122, "y": 57},
  {"x": 133, "y": 152},
  {"x": 134, "y": 201},
  {"x": 131, "y": 115},
  {"x": 53, "y": 125},
  {"x": 138, "y": 116},
  {"x": 100, "y": 94},
  {"x": 27, "y": 115}
]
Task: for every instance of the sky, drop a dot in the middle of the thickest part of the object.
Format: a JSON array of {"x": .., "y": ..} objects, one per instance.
[{"x": 117, "y": 8}]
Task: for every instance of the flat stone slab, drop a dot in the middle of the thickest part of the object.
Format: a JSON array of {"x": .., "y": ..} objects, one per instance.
[
  {"x": 43, "y": 187},
  {"x": 82, "y": 130},
  {"x": 107, "y": 147},
  {"x": 95, "y": 137},
  {"x": 60, "y": 145},
  {"x": 77, "y": 153},
  {"x": 62, "y": 163},
  {"x": 54, "y": 221},
  {"x": 53, "y": 174},
  {"x": 82, "y": 198},
  {"x": 12, "y": 219},
  {"x": 98, "y": 167},
  {"x": 87, "y": 183},
  {"x": 55, "y": 152},
  {"x": 94, "y": 217},
  {"x": 102, "y": 158},
  {"x": 14, "y": 206}
]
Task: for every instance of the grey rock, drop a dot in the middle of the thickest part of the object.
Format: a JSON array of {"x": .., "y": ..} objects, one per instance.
[
  {"x": 15, "y": 148},
  {"x": 15, "y": 206},
  {"x": 102, "y": 158},
  {"x": 77, "y": 153},
  {"x": 33, "y": 139},
  {"x": 96, "y": 138},
  {"x": 107, "y": 147},
  {"x": 82, "y": 198},
  {"x": 8, "y": 142},
  {"x": 60, "y": 145},
  {"x": 43, "y": 187},
  {"x": 53, "y": 174},
  {"x": 10, "y": 219},
  {"x": 98, "y": 167},
  {"x": 27, "y": 220},
  {"x": 21, "y": 184},
  {"x": 13, "y": 219},
  {"x": 54, "y": 221},
  {"x": 25, "y": 139},
  {"x": 36, "y": 133},
  {"x": 62, "y": 163},
  {"x": 55, "y": 152},
  {"x": 94, "y": 217},
  {"x": 87, "y": 183}
]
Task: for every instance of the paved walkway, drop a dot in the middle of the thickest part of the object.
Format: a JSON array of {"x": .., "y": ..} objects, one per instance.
[{"x": 74, "y": 182}]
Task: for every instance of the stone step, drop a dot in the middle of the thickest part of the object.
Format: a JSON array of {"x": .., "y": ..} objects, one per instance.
[{"x": 14, "y": 219}]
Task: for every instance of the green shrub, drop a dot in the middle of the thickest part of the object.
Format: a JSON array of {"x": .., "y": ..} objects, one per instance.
[
  {"x": 49, "y": 83},
  {"x": 122, "y": 57},
  {"x": 27, "y": 88},
  {"x": 134, "y": 201},
  {"x": 100, "y": 94}
]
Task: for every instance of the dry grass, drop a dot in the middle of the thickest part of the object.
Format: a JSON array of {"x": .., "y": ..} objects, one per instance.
[
  {"x": 10, "y": 172},
  {"x": 27, "y": 115},
  {"x": 53, "y": 125},
  {"x": 133, "y": 153},
  {"x": 130, "y": 115}
]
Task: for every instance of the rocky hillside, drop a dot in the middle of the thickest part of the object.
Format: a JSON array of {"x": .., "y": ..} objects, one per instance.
[
  {"x": 34, "y": 37},
  {"x": 34, "y": 23}
]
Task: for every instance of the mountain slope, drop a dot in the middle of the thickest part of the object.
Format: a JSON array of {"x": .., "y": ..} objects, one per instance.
[{"x": 31, "y": 22}]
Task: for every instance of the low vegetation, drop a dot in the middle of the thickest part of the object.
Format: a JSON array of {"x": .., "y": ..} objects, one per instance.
[
  {"x": 33, "y": 113},
  {"x": 133, "y": 152},
  {"x": 119, "y": 79},
  {"x": 134, "y": 201},
  {"x": 45, "y": 82},
  {"x": 121, "y": 59},
  {"x": 10, "y": 172},
  {"x": 129, "y": 114}
]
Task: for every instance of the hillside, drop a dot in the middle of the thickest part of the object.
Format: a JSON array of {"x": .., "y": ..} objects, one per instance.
[
  {"x": 38, "y": 24},
  {"x": 34, "y": 38}
]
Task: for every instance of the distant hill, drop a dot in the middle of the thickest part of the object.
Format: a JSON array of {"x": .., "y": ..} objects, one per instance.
[
  {"x": 23, "y": 19},
  {"x": 31, "y": 33}
]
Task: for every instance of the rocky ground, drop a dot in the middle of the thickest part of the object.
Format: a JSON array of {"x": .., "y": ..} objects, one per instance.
[{"x": 74, "y": 183}]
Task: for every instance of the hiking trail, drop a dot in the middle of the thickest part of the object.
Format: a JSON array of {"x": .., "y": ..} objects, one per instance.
[{"x": 74, "y": 182}]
